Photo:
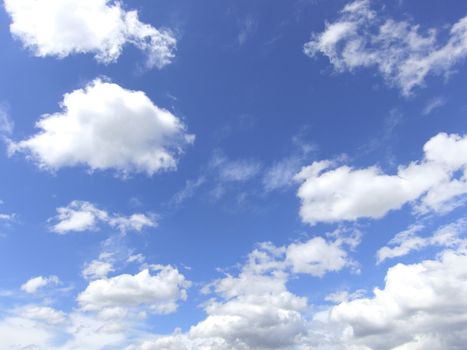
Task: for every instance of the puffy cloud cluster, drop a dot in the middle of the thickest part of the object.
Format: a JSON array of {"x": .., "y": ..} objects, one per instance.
[
  {"x": 422, "y": 306},
  {"x": 81, "y": 216},
  {"x": 403, "y": 54},
  {"x": 436, "y": 183},
  {"x": 253, "y": 310},
  {"x": 101, "y": 27},
  {"x": 104, "y": 126},
  {"x": 110, "y": 312}
]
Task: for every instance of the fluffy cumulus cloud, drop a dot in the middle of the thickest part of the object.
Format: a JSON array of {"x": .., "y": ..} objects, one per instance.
[
  {"x": 159, "y": 292},
  {"x": 104, "y": 126},
  {"x": 437, "y": 183},
  {"x": 403, "y": 53},
  {"x": 35, "y": 284},
  {"x": 422, "y": 306},
  {"x": 81, "y": 216},
  {"x": 252, "y": 310},
  {"x": 317, "y": 257},
  {"x": 101, "y": 27}
]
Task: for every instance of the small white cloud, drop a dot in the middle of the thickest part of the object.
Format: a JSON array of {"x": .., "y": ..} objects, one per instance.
[
  {"x": 105, "y": 126},
  {"x": 159, "y": 292},
  {"x": 81, "y": 216},
  {"x": 6, "y": 124},
  {"x": 97, "y": 269},
  {"x": 78, "y": 216},
  {"x": 331, "y": 194},
  {"x": 317, "y": 257},
  {"x": 403, "y": 53},
  {"x": 36, "y": 283},
  {"x": 100, "y": 27}
]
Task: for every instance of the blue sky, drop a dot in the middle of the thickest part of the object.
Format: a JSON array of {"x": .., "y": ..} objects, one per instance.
[{"x": 233, "y": 175}]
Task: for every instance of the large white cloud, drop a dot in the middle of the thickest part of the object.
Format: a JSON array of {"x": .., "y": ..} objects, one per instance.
[
  {"x": 403, "y": 54},
  {"x": 253, "y": 310},
  {"x": 100, "y": 27},
  {"x": 81, "y": 216},
  {"x": 436, "y": 183},
  {"x": 105, "y": 126},
  {"x": 159, "y": 292},
  {"x": 422, "y": 306}
]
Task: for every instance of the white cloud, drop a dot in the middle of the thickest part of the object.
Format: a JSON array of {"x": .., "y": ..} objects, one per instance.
[
  {"x": 407, "y": 241},
  {"x": 78, "y": 216},
  {"x": 6, "y": 217},
  {"x": 101, "y": 27},
  {"x": 191, "y": 186},
  {"x": 97, "y": 269},
  {"x": 422, "y": 306},
  {"x": 41, "y": 313},
  {"x": 81, "y": 216},
  {"x": 159, "y": 292},
  {"x": 436, "y": 183},
  {"x": 403, "y": 53},
  {"x": 317, "y": 257},
  {"x": 6, "y": 124},
  {"x": 105, "y": 126},
  {"x": 253, "y": 310},
  {"x": 39, "y": 282},
  {"x": 281, "y": 174}
]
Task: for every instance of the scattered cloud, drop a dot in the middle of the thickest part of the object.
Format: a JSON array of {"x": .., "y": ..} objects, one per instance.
[
  {"x": 97, "y": 269},
  {"x": 317, "y": 256},
  {"x": 434, "y": 103},
  {"x": 191, "y": 186},
  {"x": 253, "y": 310},
  {"x": 404, "y": 54},
  {"x": 99, "y": 27},
  {"x": 437, "y": 183},
  {"x": 240, "y": 170},
  {"x": 104, "y": 126},
  {"x": 34, "y": 284},
  {"x": 6, "y": 124},
  {"x": 248, "y": 26},
  {"x": 408, "y": 241},
  {"x": 81, "y": 216}
]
